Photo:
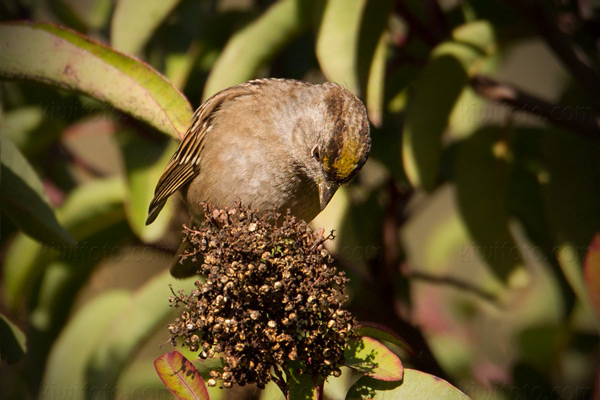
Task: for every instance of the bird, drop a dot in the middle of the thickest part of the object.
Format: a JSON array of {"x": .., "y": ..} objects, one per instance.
[{"x": 270, "y": 144}]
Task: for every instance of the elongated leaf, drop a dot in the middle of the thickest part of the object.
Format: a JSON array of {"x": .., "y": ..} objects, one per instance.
[
  {"x": 179, "y": 66},
  {"x": 371, "y": 54},
  {"x": 373, "y": 359},
  {"x": 382, "y": 332},
  {"x": 144, "y": 164},
  {"x": 144, "y": 313},
  {"x": 12, "y": 341},
  {"x": 22, "y": 258},
  {"x": 133, "y": 25},
  {"x": 254, "y": 45},
  {"x": 30, "y": 129},
  {"x": 23, "y": 200},
  {"x": 90, "y": 209},
  {"x": 434, "y": 96},
  {"x": 77, "y": 342},
  {"x": 351, "y": 48},
  {"x": 61, "y": 280},
  {"x": 429, "y": 106},
  {"x": 591, "y": 273},
  {"x": 571, "y": 200},
  {"x": 337, "y": 41},
  {"x": 82, "y": 14},
  {"x": 481, "y": 181},
  {"x": 376, "y": 83},
  {"x": 55, "y": 56},
  {"x": 479, "y": 34},
  {"x": 524, "y": 191},
  {"x": 180, "y": 377},
  {"x": 415, "y": 385}
]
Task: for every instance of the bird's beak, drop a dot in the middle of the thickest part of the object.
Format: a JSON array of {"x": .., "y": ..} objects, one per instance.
[{"x": 326, "y": 192}]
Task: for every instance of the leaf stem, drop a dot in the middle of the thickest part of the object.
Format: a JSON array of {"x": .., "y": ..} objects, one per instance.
[
  {"x": 574, "y": 61},
  {"x": 579, "y": 120}
]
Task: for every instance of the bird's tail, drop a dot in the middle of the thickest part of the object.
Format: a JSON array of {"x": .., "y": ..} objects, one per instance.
[{"x": 154, "y": 210}]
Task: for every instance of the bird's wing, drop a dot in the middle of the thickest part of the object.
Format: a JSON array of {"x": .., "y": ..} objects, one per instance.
[{"x": 185, "y": 163}]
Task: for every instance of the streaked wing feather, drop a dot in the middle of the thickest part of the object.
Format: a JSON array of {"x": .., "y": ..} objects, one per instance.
[{"x": 185, "y": 163}]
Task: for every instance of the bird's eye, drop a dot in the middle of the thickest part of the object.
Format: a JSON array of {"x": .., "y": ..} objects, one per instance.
[{"x": 315, "y": 153}]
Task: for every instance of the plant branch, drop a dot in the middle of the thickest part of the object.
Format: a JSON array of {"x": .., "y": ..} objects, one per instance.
[
  {"x": 577, "y": 120},
  {"x": 579, "y": 67},
  {"x": 321, "y": 390},
  {"x": 450, "y": 281}
]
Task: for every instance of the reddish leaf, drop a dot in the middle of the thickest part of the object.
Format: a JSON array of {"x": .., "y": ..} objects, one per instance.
[
  {"x": 591, "y": 273},
  {"x": 180, "y": 376},
  {"x": 382, "y": 332},
  {"x": 373, "y": 359}
]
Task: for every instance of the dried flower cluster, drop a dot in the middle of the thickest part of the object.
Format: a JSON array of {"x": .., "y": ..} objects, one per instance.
[{"x": 271, "y": 297}]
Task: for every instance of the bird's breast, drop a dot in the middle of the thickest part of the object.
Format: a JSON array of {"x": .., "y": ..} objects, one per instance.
[{"x": 254, "y": 171}]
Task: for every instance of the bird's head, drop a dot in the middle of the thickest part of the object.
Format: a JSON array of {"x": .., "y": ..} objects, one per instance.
[{"x": 342, "y": 147}]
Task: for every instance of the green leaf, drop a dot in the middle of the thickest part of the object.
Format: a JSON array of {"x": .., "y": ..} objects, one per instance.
[
  {"x": 251, "y": 47},
  {"x": 93, "y": 206},
  {"x": 62, "y": 278},
  {"x": 55, "y": 56},
  {"x": 371, "y": 54},
  {"x": 30, "y": 129},
  {"x": 145, "y": 312},
  {"x": 481, "y": 173},
  {"x": 591, "y": 273},
  {"x": 479, "y": 34},
  {"x": 571, "y": 201},
  {"x": 180, "y": 376},
  {"x": 204, "y": 367},
  {"x": 24, "y": 201},
  {"x": 415, "y": 385},
  {"x": 337, "y": 42},
  {"x": 430, "y": 103},
  {"x": 12, "y": 341},
  {"x": 144, "y": 162},
  {"x": 373, "y": 359},
  {"x": 82, "y": 14},
  {"x": 179, "y": 66},
  {"x": 526, "y": 177},
  {"x": 434, "y": 96},
  {"x": 351, "y": 48},
  {"x": 132, "y": 24},
  {"x": 376, "y": 83},
  {"x": 301, "y": 386},
  {"x": 89, "y": 209},
  {"x": 70, "y": 354},
  {"x": 22, "y": 260}
]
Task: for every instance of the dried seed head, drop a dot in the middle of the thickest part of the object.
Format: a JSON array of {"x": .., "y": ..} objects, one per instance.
[{"x": 271, "y": 295}]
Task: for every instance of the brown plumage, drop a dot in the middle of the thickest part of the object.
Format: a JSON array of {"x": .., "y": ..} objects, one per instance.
[{"x": 268, "y": 143}]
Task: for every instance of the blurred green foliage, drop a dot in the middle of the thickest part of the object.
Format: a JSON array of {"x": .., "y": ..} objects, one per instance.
[{"x": 468, "y": 233}]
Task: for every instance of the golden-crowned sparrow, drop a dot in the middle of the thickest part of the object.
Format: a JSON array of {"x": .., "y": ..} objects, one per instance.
[{"x": 267, "y": 143}]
